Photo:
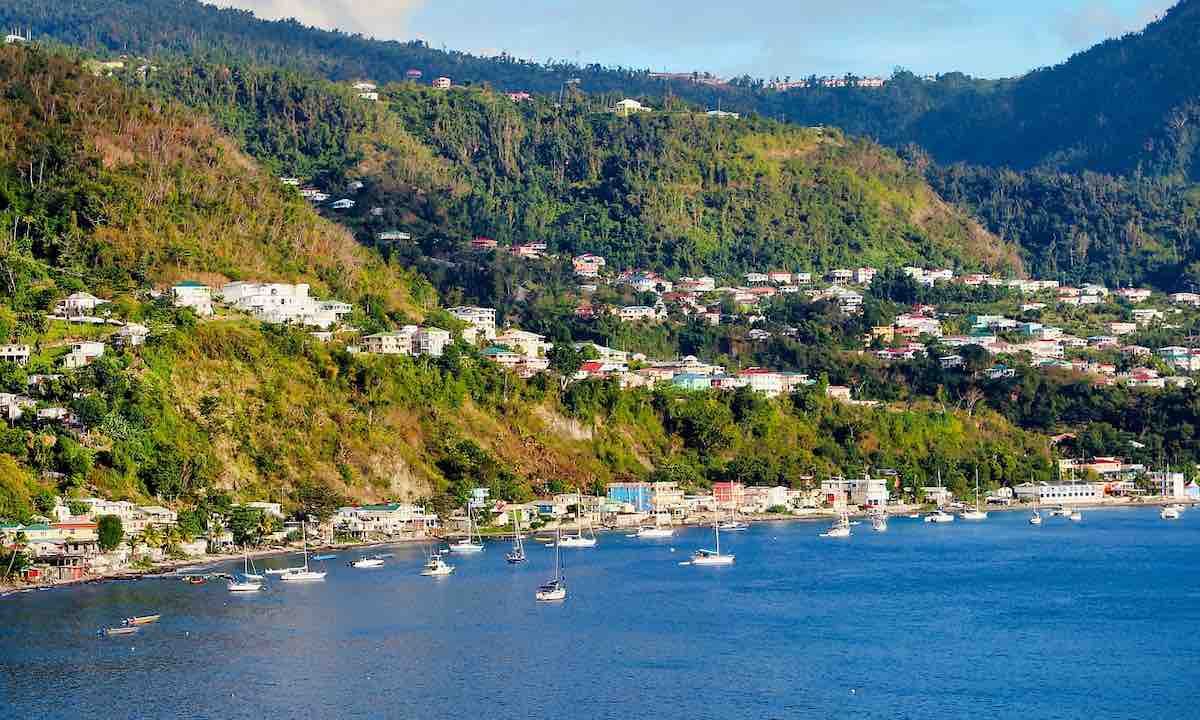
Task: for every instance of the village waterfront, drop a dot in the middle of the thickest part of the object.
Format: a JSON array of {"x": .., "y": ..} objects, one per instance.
[{"x": 962, "y": 619}]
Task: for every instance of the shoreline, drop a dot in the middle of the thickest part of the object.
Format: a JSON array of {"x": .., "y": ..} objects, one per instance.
[{"x": 171, "y": 568}]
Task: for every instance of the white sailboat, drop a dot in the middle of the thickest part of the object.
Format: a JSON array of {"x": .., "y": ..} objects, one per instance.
[
  {"x": 978, "y": 513},
  {"x": 656, "y": 531},
  {"x": 517, "y": 555},
  {"x": 1036, "y": 518},
  {"x": 712, "y": 557},
  {"x": 840, "y": 529},
  {"x": 879, "y": 522},
  {"x": 556, "y": 589},
  {"x": 733, "y": 524},
  {"x": 579, "y": 539},
  {"x": 303, "y": 574},
  {"x": 248, "y": 566},
  {"x": 940, "y": 515},
  {"x": 244, "y": 586},
  {"x": 472, "y": 543}
]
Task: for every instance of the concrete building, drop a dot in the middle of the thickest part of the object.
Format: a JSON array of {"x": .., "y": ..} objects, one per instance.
[
  {"x": 283, "y": 303},
  {"x": 18, "y": 354},
  {"x": 1060, "y": 493},
  {"x": 481, "y": 322},
  {"x": 194, "y": 295}
]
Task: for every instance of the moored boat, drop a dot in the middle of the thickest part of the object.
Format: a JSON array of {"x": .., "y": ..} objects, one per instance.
[
  {"x": 140, "y": 620},
  {"x": 436, "y": 566},
  {"x": 113, "y": 632},
  {"x": 244, "y": 586},
  {"x": 713, "y": 557},
  {"x": 556, "y": 589},
  {"x": 367, "y": 562},
  {"x": 303, "y": 574}
]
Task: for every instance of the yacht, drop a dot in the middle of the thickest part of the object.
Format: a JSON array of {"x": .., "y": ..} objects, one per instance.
[
  {"x": 939, "y": 516},
  {"x": 472, "y": 543},
  {"x": 879, "y": 522},
  {"x": 1170, "y": 512},
  {"x": 517, "y": 554},
  {"x": 840, "y": 529},
  {"x": 244, "y": 586},
  {"x": 436, "y": 566},
  {"x": 367, "y": 562},
  {"x": 1060, "y": 511},
  {"x": 978, "y": 513},
  {"x": 1075, "y": 516},
  {"x": 556, "y": 589},
  {"x": 580, "y": 539},
  {"x": 656, "y": 531},
  {"x": 303, "y": 573},
  {"x": 712, "y": 557},
  {"x": 733, "y": 524}
]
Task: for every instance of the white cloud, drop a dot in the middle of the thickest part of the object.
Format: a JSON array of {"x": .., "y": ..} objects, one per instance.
[
  {"x": 1096, "y": 20},
  {"x": 384, "y": 19}
]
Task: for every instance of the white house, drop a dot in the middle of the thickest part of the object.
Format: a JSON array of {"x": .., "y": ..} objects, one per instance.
[
  {"x": 431, "y": 341},
  {"x": 80, "y": 303},
  {"x": 132, "y": 334},
  {"x": 482, "y": 322},
  {"x": 194, "y": 295},
  {"x": 399, "y": 342},
  {"x": 343, "y": 204},
  {"x": 82, "y": 354},
  {"x": 18, "y": 354},
  {"x": 627, "y": 107},
  {"x": 634, "y": 313},
  {"x": 530, "y": 345},
  {"x": 281, "y": 303}
]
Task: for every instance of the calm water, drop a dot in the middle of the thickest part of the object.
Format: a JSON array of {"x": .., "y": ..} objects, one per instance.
[{"x": 996, "y": 620}]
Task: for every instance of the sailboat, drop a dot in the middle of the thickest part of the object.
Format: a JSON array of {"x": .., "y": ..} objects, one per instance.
[
  {"x": 556, "y": 589},
  {"x": 579, "y": 539},
  {"x": 840, "y": 529},
  {"x": 1036, "y": 518},
  {"x": 712, "y": 557},
  {"x": 244, "y": 586},
  {"x": 978, "y": 513},
  {"x": 303, "y": 574},
  {"x": 940, "y": 515},
  {"x": 473, "y": 543},
  {"x": 733, "y": 524},
  {"x": 248, "y": 565},
  {"x": 436, "y": 566},
  {"x": 879, "y": 521},
  {"x": 517, "y": 555},
  {"x": 655, "y": 531}
]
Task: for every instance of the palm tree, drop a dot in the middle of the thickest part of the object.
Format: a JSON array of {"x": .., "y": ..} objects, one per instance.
[{"x": 20, "y": 542}]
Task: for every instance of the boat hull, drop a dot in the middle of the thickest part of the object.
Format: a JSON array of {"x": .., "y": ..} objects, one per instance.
[
  {"x": 712, "y": 560},
  {"x": 303, "y": 577}
]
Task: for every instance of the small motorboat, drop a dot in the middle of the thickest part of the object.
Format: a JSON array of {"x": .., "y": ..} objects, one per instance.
[
  {"x": 436, "y": 567},
  {"x": 879, "y": 523},
  {"x": 117, "y": 631},
  {"x": 327, "y": 556},
  {"x": 1036, "y": 518},
  {"x": 140, "y": 620},
  {"x": 195, "y": 579},
  {"x": 1170, "y": 512},
  {"x": 939, "y": 516},
  {"x": 1075, "y": 516},
  {"x": 367, "y": 562}
]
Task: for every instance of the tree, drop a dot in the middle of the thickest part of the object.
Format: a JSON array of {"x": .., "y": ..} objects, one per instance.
[
  {"x": 566, "y": 361},
  {"x": 17, "y": 559},
  {"x": 111, "y": 532},
  {"x": 246, "y": 524},
  {"x": 318, "y": 500}
]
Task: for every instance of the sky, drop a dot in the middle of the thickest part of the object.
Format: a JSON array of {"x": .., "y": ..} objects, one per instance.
[{"x": 767, "y": 38}]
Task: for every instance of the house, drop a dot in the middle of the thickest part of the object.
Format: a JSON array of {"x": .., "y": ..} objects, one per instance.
[
  {"x": 484, "y": 243},
  {"x": 838, "y": 392},
  {"x": 1060, "y": 493},
  {"x": 757, "y": 278},
  {"x": 18, "y": 354},
  {"x": 442, "y": 83},
  {"x": 841, "y": 276},
  {"x": 863, "y": 492},
  {"x": 864, "y": 275},
  {"x": 370, "y": 96},
  {"x": 132, "y": 335},
  {"x": 1185, "y": 298},
  {"x": 519, "y": 96},
  {"x": 399, "y": 342},
  {"x": 780, "y": 277},
  {"x": 588, "y": 265},
  {"x": 82, "y": 354},
  {"x": 635, "y": 313},
  {"x": 802, "y": 278},
  {"x": 431, "y": 341},
  {"x": 363, "y": 86},
  {"x": 80, "y": 303},
  {"x": 1134, "y": 295},
  {"x": 343, "y": 204},
  {"x": 627, "y": 107},
  {"x": 527, "y": 344},
  {"x": 392, "y": 236},
  {"x": 385, "y": 520},
  {"x": 1145, "y": 316},
  {"x": 282, "y": 303},
  {"x": 763, "y": 381},
  {"x": 194, "y": 295},
  {"x": 502, "y": 356},
  {"x": 729, "y": 494},
  {"x": 482, "y": 322},
  {"x": 692, "y": 381},
  {"x": 696, "y": 285},
  {"x": 1122, "y": 328}
]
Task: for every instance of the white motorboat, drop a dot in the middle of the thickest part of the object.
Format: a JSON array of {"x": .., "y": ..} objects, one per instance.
[
  {"x": 1036, "y": 518},
  {"x": 368, "y": 562},
  {"x": 1075, "y": 516},
  {"x": 939, "y": 516},
  {"x": 1170, "y": 512},
  {"x": 713, "y": 557},
  {"x": 840, "y": 529},
  {"x": 655, "y": 533},
  {"x": 556, "y": 589},
  {"x": 879, "y": 522},
  {"x": 303, "y": 574},
  {"x": 1060, "y": 511},
  {"x": 436, "y": 566}
]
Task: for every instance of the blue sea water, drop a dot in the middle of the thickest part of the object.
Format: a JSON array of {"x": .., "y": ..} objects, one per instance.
[{"x": 1000, "y": 619}]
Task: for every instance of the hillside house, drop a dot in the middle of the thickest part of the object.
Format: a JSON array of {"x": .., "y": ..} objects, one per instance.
[
  {"x": 80, "y": 303},
  {"x": 628, "y": 107},
  {"x": 431, "y": 341},
  {"x": 82, "y": 354},
  {"x": 343, "y": 204},
  {"x": 132, "y": 335},
  {"x": 18, "y": 354},
  {"x": 442, "y": 83},
  {"x": 399, "y": 342},
  {"x": 526, "y": 344},
  {"x": 635, "y": 313},
  {"x": 282, "y": 303},
  {"x": 194, "y": 295},
  {"x": 588, "y": 265},
  {"x": 482, "y": 322},
  {"x": 484, "y": 243}
]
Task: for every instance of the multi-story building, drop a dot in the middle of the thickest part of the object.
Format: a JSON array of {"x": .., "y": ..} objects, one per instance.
[
  {"x": 283, "y": 303},
  {"x": 194, "y": 295},
  {"x": 481, "y": 321}
]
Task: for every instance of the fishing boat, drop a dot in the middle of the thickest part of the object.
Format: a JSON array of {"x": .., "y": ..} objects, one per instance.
[
  {"x": 113, "y": 632},
  {"x": 366, "y": 562},
  {"x": 840, "y": 528},
  {"x": 978, "y": 513},
  {"x": 244, "y": 586},
  {"x": 556, "y": 589},
  {"x": 472, "y": 543},
  {"x": 303, "y": 574},
  {"x": 436, "y": 566},
  {"x": 1170, "y": 512},
  {"x": 733, "y": 524},
  {"x": 140, "y": 620},
  {"x": 713, "y": 557},
  {"x": 582, "y": 538},
  {"x": 517, "y": 554}
]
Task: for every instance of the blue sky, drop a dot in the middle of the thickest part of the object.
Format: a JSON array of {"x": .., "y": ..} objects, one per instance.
[{"x": 769, "y": 38}]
